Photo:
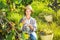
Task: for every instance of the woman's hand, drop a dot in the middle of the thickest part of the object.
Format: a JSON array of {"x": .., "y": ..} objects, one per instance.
[{"x": 31, "y": 27}]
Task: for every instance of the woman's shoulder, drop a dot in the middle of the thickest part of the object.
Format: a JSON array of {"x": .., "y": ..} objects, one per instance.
[
  {"x": 21, "y": 19},
  {"x": 33, "y": 19}
]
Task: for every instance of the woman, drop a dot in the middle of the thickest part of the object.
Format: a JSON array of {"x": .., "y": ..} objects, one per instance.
[{"x": 29, "y": 23}]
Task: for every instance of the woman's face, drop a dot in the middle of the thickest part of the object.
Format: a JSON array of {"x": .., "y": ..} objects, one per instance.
[{"x": 28, "y": 12}]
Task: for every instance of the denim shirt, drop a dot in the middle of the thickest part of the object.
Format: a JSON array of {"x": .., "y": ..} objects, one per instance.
[{"x": 31, "y": 21}]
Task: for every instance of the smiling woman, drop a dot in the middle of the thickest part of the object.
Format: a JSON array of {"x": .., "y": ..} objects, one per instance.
[{"x": 29, "y": 23}]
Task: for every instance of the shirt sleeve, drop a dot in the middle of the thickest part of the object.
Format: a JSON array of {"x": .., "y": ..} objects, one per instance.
[
  {"x": 21, "y": 20},
  {"x": 34, "y": 25}
]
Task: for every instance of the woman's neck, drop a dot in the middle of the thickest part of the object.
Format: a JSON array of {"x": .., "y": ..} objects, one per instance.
[{"x": 28, "y": 17}]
